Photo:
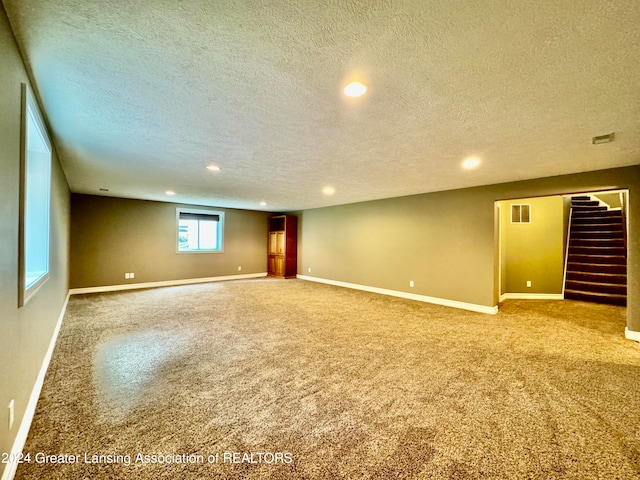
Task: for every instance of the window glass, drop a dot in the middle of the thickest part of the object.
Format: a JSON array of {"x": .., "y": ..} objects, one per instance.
[
  {"x": 199, "y": 230},
  {"x": 35, "y": 198},
  {"x": 521, "y": 213}
]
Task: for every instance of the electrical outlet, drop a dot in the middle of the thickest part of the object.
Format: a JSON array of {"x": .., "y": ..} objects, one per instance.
[
  {"x": 126, "y": 275},
  {"x": 309, "y": 269},
  {"x": 132, "y": 275},
  {"x": 12, "y": 404},
  {"x": 239, "y": 268},
  {"x": 528, "y": 283},
  {"x": 411, "y": 283}
]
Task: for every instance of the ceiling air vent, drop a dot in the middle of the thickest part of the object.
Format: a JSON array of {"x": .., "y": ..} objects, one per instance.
[{"x": 603, "y": 138}]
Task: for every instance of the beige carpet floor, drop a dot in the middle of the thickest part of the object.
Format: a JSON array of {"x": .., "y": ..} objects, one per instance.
[{"x": 290, "y": 379}]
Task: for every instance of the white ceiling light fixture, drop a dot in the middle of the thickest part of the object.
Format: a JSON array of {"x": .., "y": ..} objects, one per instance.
[
  {"x": 355, "y": 89},
  {"x": 263, "y": 204},
  {"x": 213, "y": 168},
  {"x": 328, "y": 190},
  {"x": 471, "y": 163},
  {"x": 170, "y": 192}
]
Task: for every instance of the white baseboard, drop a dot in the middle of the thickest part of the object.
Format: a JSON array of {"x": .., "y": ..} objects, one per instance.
[
  {"x": 631, "y": 335},
  {"x": 531, "y": 296},
  {"x": 166, "y": 283},
  {"x": 410, "y": 296},
  {"x": 25, "y": 424}
]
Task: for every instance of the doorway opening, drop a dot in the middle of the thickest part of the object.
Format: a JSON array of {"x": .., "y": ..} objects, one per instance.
[{"x": 563, "y": 246}]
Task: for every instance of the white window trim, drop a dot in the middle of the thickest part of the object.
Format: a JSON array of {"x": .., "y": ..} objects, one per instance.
[
  {"x": 203, "y": 212},
  {"x": 30, "y": 107}
]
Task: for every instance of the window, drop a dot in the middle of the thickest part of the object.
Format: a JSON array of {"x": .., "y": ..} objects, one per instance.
[
  {"x": 199, "y": 230},
  {"x": 35, "y": 191},
  {"x": 521, "y": 213}
]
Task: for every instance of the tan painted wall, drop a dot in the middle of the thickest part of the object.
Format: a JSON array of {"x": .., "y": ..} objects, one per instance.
[
  {"x": 25, "y": 333},
  {"x": 533, "y": 251},
  {"x": 112, "y": 236},
  {"x": 444, "y": 241},
  {"x": 436, "y": 240},
  {"x": 611, "y": 199}
]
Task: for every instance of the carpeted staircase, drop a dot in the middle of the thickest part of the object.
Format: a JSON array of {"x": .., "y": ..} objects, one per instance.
[{"x": 597, "y": 263}]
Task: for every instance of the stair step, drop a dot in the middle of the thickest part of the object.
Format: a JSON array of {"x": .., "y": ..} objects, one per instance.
[
  {"x": 586, "y": 267},
  {"x": 593, "y": 287},
  {"x": 597, "y": 227},
  {"x": 594, "y": 220},
  {"x": 611, "y": 278},
  {"x": 597, "y": 242},
  {"x": 587, "y": 206},
  {"x": 602, "y": 259},
  {"x": 591, "y": 220},
  {"x": 597, "y": 213},
  {"x": 585, "y": 203},
  {"x": 596, "y": 297},
  {"x": 595, "y": 234},
  {"x": 578, "y": 210},
  {"x": 597, "y": 250}
]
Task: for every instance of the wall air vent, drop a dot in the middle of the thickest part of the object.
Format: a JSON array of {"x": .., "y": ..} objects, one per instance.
[{"x": 603, "y": 138}]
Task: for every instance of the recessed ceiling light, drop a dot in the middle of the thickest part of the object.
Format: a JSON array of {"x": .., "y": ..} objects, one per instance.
[
  {"x": 263, "y": 203},
  {"x": 328, "y": 190},
  {"x": 355, "y": 89},
  {"x": 471, "y": 163},
  {"x": 170, "y": 192},
  {"x": 213, "y": 168}
]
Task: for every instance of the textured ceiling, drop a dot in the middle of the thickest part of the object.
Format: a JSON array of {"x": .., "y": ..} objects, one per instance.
[{"x": 142, "y": 95}]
